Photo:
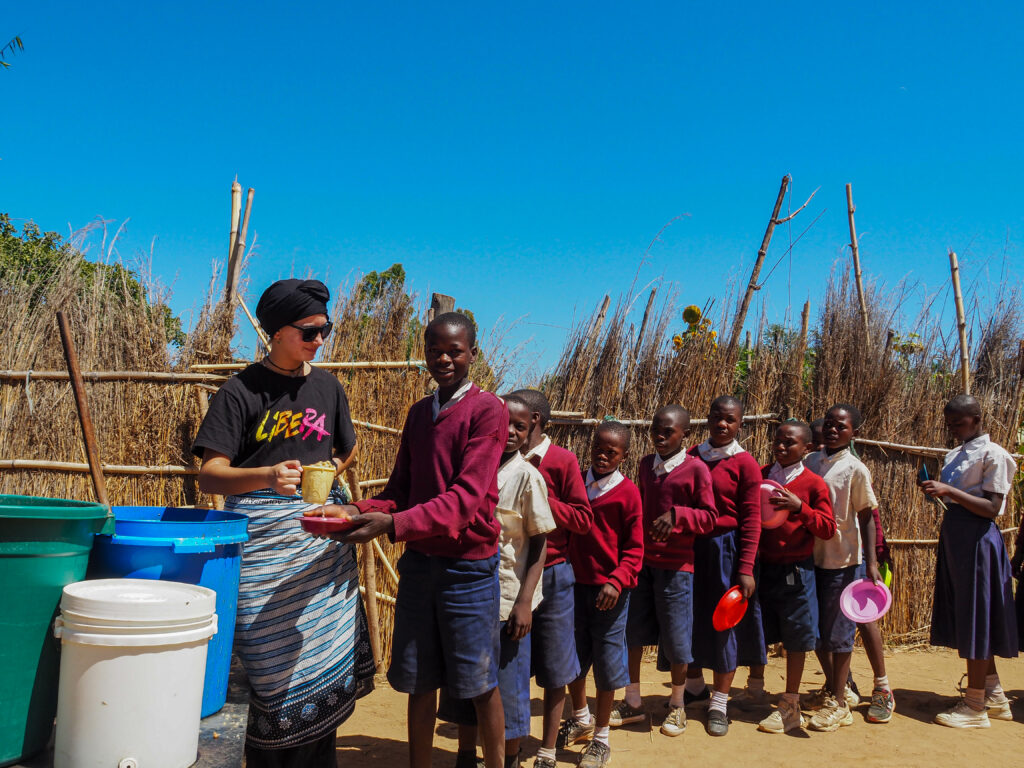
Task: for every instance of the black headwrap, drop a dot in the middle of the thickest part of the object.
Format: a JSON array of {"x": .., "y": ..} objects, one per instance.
[{"x": 288, "y": 300}]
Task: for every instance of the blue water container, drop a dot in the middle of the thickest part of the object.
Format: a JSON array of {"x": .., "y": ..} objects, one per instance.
[{"x": 194, "y": 546}]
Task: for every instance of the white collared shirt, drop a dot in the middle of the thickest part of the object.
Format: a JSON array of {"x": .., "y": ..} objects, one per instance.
[
  {"x": 785, "y": 475},
  {"x": 849, "y": 487},
  {"x": 460, "y": 393},
  {"x": 710, "y": 452},
  {"x": 663, "y": 467},
  {"x": 979, "y": 465},
  {"x": 540, "y": 450},
  {"x": 598, "y": 487}
]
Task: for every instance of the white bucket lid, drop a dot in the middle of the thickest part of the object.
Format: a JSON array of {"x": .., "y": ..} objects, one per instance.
[{"x": 144, "y": 600}]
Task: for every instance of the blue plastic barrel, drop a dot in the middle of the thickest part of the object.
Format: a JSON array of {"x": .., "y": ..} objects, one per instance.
[{"x": 194, "y": 546}]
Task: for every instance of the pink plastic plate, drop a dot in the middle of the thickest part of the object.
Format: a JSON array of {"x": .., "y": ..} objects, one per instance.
[
  {"x": 863, "y": 601},
  {"x": 322, "y": 526},
  {"x": 771, "y": 516},
  {"x": 729, "y": 611}
]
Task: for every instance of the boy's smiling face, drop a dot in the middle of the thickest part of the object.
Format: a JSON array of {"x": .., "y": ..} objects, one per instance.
[
  {"x": 668, "y": 430},
  {"x": 790, "y": 444},
  {"x": 838, "y": 430},
  {"x": 518, "y": 426},
  {"x": 607, "y": 452},
  {"x": 448, "y": 355}
]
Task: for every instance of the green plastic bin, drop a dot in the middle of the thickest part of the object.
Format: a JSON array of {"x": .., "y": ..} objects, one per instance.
[{"x": 44, "y": 546}]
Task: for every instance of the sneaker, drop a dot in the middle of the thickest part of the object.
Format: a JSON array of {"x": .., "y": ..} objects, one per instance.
[
  {"x": 998, "y": 709},
  {"x": 852, "y": 697},
  {"x": 595, "y": 755},
  {"x": 962, "y": 716},
  {"x": 544, "y": 762},
  {"x": 718, "y": 723},
  {"x": 787, "y": 717},
  {"x": 748, "y": 699},
  {"x": 882, "y": 706},
  {"x": 698, "y": 700},
  {"x": 816, "y": 699},
  {"x": 675, "y": 723},
  {"x": 623, "y": 714},
  {"x": 831, "y": 716},
  {"x": 572, "y": 731}
]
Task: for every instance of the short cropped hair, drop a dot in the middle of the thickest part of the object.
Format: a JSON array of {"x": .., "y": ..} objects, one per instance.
[
  {"x": 513, "y": 397},
  {"x": 727, "y": 401},
  {"x": 855, "y": 416},
  {"x": 673, "y": 409},
  {"x": 803, "y": 427},
  {"x": 536, "y": 402},
  {"x": 453, "y": 320},
  {"x": 615, "y": 428},
  {"x": 966, "y": 405}
]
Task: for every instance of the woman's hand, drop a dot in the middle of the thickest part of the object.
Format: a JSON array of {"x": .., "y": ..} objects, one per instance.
[
  {"x": 332, "y": 510},
  {"x": 285, "y": 477},
  {"x": 785, "y": 499},
  {"x": 934, "y": 488}
]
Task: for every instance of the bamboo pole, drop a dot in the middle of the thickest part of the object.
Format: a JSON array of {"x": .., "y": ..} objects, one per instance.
[
  {"x": 961, "y": 324},
  {"x": 92, "y": 453},
  {"x": 850, "y": 208},
  {"x": 377, "y": 427},
  {"x": 643, "y": 323},
  {"x": 647, "y": 422},
  {"x": 370, "y": 571},
  {"x": 236, "y": 212},
  {"x": 256, "y": 326},
  {"x": 380, "y": 596},
  {"x": 595, "y": 329},
  {"x": 921, "y": 450},
  {"x": 362, "y": 365},
  {"x": 235, "y": 262},
  {"x": 568, "y": 414},
  {"x": 741, "y": 313},
  {"x": 172, "y": 377}
]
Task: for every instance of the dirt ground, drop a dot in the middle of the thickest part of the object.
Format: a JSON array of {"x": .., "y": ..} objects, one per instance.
[{"x": 923, "y": 683}]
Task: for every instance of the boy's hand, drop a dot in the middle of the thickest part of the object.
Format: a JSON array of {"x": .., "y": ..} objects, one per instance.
[
  {"x": 370, "y": 526},
  {"x": 933, "y": 488},
  {"x": 607, "y": 597},
  {"x": 785, "y": 499},
  {"x": 662, "y": 526},
  {"x": 520, "y": 620},
  {"x": 872, "y": 573},
  {"x": 285, "y": 477},
  {"x": 332, "y": 510},
  {"x": 747, "y": 585}
]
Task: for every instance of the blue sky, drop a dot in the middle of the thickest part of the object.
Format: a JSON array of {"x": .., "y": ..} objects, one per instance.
[{"x": 522, "y": 158}]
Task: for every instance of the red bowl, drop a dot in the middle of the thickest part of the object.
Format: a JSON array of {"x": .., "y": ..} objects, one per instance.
[
  {"x": 729, "y": 611},
  {"x": 324, "y": 526}
]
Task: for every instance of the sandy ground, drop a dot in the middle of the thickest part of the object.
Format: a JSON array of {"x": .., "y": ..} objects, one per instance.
[{"x": 923, "y": 683}]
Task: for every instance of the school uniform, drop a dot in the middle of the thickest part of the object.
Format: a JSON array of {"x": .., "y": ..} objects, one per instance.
[
  {"x": 787, "y": 591},
  {"x": 725, "y": 553},
  {"x": 661, "y": 606},
  {"x": 973, "y": 607},
  {"x": 523, "y": 512},
  {"x": 612, "y": 553},
  {"x": 839, "y": 560},
  {"x": 554, "y": 658},
  {"x": 442, "y": 494}
]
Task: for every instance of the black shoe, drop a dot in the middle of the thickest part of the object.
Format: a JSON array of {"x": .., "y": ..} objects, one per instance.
[
  {"x": 718, "y": 723},
  {"x": 699, "y": 700}
]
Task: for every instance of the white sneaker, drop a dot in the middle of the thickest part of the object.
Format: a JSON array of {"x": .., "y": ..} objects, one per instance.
[
  {"x": 675, "y": 723},
  {"x": 962, "y": 716},
  {"x": 783, "y": 720},
  {"x": 998, "y": 709},
  {"x": 832, "y": 716},
  {"x": 749, "y": 698},
  {"x": 852, "y": 698}
]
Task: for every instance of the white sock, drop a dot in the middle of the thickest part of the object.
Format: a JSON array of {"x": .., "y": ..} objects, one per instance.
[
  {"x": 583, "y": 715},
  {"x": 882, "y": 682},
  {"x": 550, "y": 754},
  {"x": 695, "y": 685},
  {"x": 755, "y": 683},
  {"x": 601, "y": 734},
  {"x": 719, "y": 701},
  {"x": 993, "y": 688},
  {"x": 633, "y": 695},
  {"x": 676, "y": 699}
]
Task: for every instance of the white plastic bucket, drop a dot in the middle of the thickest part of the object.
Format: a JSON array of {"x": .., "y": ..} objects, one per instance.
[{"x": 133, "y": 657}]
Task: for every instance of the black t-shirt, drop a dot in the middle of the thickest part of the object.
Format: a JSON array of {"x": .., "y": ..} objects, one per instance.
[{"x": 260, "y": 418}]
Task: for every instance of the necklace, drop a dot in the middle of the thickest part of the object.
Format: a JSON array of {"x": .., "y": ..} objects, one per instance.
[{"x": 289, "y": 371}]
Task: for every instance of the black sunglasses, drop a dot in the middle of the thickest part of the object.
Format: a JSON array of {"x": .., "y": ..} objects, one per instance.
[{"x": 310, "y": 332}]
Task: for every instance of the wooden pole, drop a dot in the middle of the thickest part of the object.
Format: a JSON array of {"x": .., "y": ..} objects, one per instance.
[
  {"x": 439, "y": 304},
  {"x": 99, "y": 484},
  {"x": 370, "y": 572},
  {"x": 264, "y": 340},
  {"x": 236, "y": 213},
  {"x": 643, "y": 323},
  {"x": 850, "y": 208},
  {"x": 235, "y": 262},
  {"x": 741, "y": 313},
  {"x": 595, "y": 329},
  {"x": 961, "y": 325}
]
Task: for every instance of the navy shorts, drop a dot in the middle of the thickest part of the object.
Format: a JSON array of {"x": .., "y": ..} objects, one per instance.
[
  {"x": 601, "y": 638},
  {"x": 661, "y": 613},
  {"x": 513, "y": 685},
  {"x": 446, "y": 625},
  {"x": 554, "y": 659},
  {"x": 789, "y": 605},
  {"x": 715, "y": 572},
  {"x": 836, "y": 633}
]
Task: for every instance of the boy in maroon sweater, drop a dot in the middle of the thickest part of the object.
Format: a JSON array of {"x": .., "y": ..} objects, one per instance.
[
  {"x": 787, "y": 593},
  {"x": 554, "y": 660},
  {"x": 606, "y": 564},
  {"x": 678, "y": 504},
  {"x": 440, "y": 500}
]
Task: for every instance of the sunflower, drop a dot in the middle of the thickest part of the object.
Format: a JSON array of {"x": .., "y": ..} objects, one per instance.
[
  {"x": 677, "y": 341},
  {"x": 692, "y": 314}
]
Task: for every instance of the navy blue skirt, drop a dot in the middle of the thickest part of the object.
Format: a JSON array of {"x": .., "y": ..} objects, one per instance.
[{"x": 973, "y": 609}]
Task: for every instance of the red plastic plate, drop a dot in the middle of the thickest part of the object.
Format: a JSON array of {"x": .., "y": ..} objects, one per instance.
[
  {"x": 323, "y": 526},
  {"x": 729, "y": 611}
]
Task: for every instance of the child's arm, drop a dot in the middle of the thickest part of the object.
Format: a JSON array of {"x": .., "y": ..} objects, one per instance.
[
  {"x": 867, "y": 536},
  {"x": 748, "y": 520},
  {"x": 520, "y": 620},
  {"x": 572, "y": 511},
  {"x": 986, "y": 506},
  {"x": 631, "y": 554},
  {"x": 699, "y": 516}
]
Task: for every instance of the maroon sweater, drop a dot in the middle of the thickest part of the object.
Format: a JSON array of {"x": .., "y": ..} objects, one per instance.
[
  {"x": 444, "y": 487},
  {"x": 737, "y": 485},
  {"x": 614, "y": 550},
  {"x": 567, "y": 497},
  {"x": 687, "y": 491},
  {"x": 793, "y": 541}
]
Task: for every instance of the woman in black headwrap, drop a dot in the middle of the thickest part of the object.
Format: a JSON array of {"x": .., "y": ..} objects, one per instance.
[{"x": 300, "y": 634}]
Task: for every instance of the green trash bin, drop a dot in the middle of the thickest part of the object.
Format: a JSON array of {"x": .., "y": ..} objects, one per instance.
[{"x": 44, "y": 546}]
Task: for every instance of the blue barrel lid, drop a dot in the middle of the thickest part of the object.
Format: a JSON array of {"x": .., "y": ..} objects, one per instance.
[{"x": 184, "y": 529}]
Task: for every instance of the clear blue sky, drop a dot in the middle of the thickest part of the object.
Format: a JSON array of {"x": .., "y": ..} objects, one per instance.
[{"x": 522, "y": 157}]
